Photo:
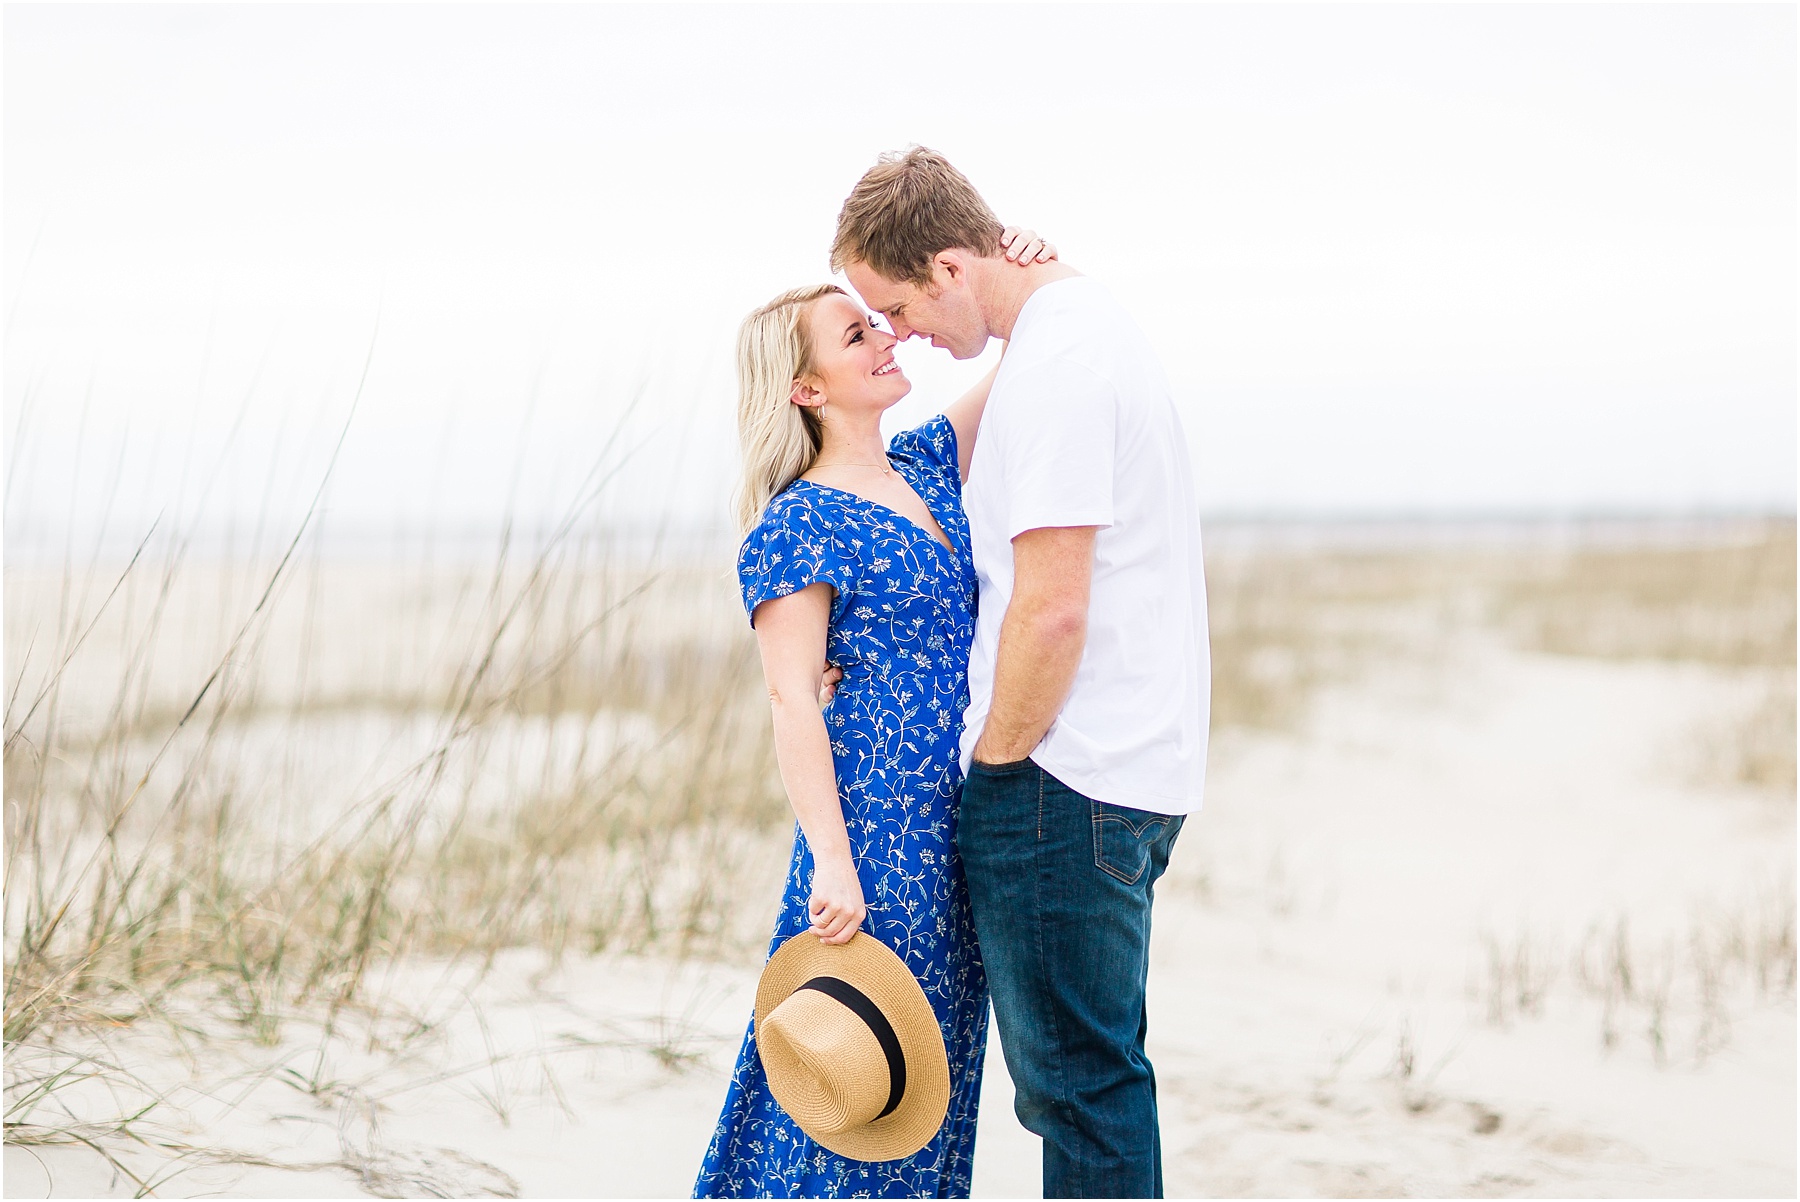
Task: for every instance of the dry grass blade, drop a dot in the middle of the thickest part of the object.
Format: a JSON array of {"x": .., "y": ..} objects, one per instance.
[{"x": 216, "y": 793}]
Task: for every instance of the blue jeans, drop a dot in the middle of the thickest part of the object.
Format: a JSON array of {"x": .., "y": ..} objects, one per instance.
[{"x": 1061, "y": 887}]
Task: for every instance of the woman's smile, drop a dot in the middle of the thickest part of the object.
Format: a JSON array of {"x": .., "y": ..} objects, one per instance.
[{"x": 846, "y": 341}]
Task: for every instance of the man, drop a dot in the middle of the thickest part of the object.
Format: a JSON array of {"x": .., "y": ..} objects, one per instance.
[{"x": 1085, "y": 738}]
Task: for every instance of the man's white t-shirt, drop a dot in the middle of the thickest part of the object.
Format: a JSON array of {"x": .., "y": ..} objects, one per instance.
[{"x": 1080, "y": 430}]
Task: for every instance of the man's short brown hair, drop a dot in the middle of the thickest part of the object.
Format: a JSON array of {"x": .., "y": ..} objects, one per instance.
[{"x": 904, "y": 210}]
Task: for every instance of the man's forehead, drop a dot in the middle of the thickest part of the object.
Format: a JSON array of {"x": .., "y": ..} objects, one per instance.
[{"x": 878, "y": 291}]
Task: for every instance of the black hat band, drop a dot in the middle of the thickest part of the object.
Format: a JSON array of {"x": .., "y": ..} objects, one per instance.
[{"x": 858, "y": 1003}]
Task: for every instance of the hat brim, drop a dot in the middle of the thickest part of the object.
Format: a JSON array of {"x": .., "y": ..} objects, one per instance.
[{"x": 872, "y": 967}]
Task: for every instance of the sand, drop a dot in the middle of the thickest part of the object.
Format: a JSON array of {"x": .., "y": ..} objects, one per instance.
[{"x": 1362, "y": 985}]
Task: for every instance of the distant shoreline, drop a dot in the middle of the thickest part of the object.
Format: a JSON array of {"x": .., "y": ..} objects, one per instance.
[{"x": 643, "y": 544}]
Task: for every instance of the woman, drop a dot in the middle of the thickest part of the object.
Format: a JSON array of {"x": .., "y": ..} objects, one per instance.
[{"x": 858, "y": 556}]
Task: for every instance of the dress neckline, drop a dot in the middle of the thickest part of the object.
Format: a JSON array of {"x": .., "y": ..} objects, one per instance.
[{"x": 943, "y": 544}]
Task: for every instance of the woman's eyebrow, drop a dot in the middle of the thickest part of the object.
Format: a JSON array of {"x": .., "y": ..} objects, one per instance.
[{"x": 851, "y": 328}]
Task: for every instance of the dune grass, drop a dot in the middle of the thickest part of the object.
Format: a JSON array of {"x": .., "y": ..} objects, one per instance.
[
  {"x": 1729, "y": 603},
  {"x": 239, "y": 794},
  {"x": 137, "y": 861},
  {"x": 255, "y": 785},
  {"x": 1288, "y": 621}
]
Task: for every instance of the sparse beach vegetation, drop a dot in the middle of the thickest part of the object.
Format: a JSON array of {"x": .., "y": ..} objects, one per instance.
[{"x": 247, "y": 797}]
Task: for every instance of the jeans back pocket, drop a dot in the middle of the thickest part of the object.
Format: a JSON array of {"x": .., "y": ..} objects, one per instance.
[{"x": 1125, "y": 840}]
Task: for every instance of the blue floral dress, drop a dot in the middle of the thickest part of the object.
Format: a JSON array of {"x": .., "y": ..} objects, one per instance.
[{"x": 901, "y": 622}]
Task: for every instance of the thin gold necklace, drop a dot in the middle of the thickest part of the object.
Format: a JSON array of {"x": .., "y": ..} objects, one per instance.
[{"x": 887, "y": 469}]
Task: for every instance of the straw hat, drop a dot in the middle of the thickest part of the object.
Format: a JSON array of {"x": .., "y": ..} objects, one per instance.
[{"x": 851, "y": 1047}]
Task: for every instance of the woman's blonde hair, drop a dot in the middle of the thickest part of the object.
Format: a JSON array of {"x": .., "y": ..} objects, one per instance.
[{"x": 778, "y": 438}]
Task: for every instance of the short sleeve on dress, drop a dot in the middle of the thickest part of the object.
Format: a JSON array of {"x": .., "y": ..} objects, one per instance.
[
  {"x": 931, "y": 446},
  {"x": 790, "y": 549}
]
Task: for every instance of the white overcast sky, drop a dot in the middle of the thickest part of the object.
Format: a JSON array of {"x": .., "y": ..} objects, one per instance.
[{"x": 1403, "y": 259}]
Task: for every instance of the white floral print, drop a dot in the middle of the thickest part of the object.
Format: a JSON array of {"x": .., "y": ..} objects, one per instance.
[{"x": 900, "y": 627}]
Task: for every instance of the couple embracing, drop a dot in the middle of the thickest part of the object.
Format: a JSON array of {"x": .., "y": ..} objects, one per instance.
[{"x": 1013, "y": 595}]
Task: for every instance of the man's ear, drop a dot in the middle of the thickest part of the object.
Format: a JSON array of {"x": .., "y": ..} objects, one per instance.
[
  {"x": 806, "y": 396},
  {"x": 950, "y": 266}
]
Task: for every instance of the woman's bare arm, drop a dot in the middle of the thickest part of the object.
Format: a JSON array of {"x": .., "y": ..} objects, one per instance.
[
  {"x": 790, "y": 632},
  {"x": 965, "y": 417}
]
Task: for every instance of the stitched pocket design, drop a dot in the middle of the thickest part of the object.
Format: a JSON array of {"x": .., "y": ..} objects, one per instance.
[{"x": 1123, "y": 839}]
